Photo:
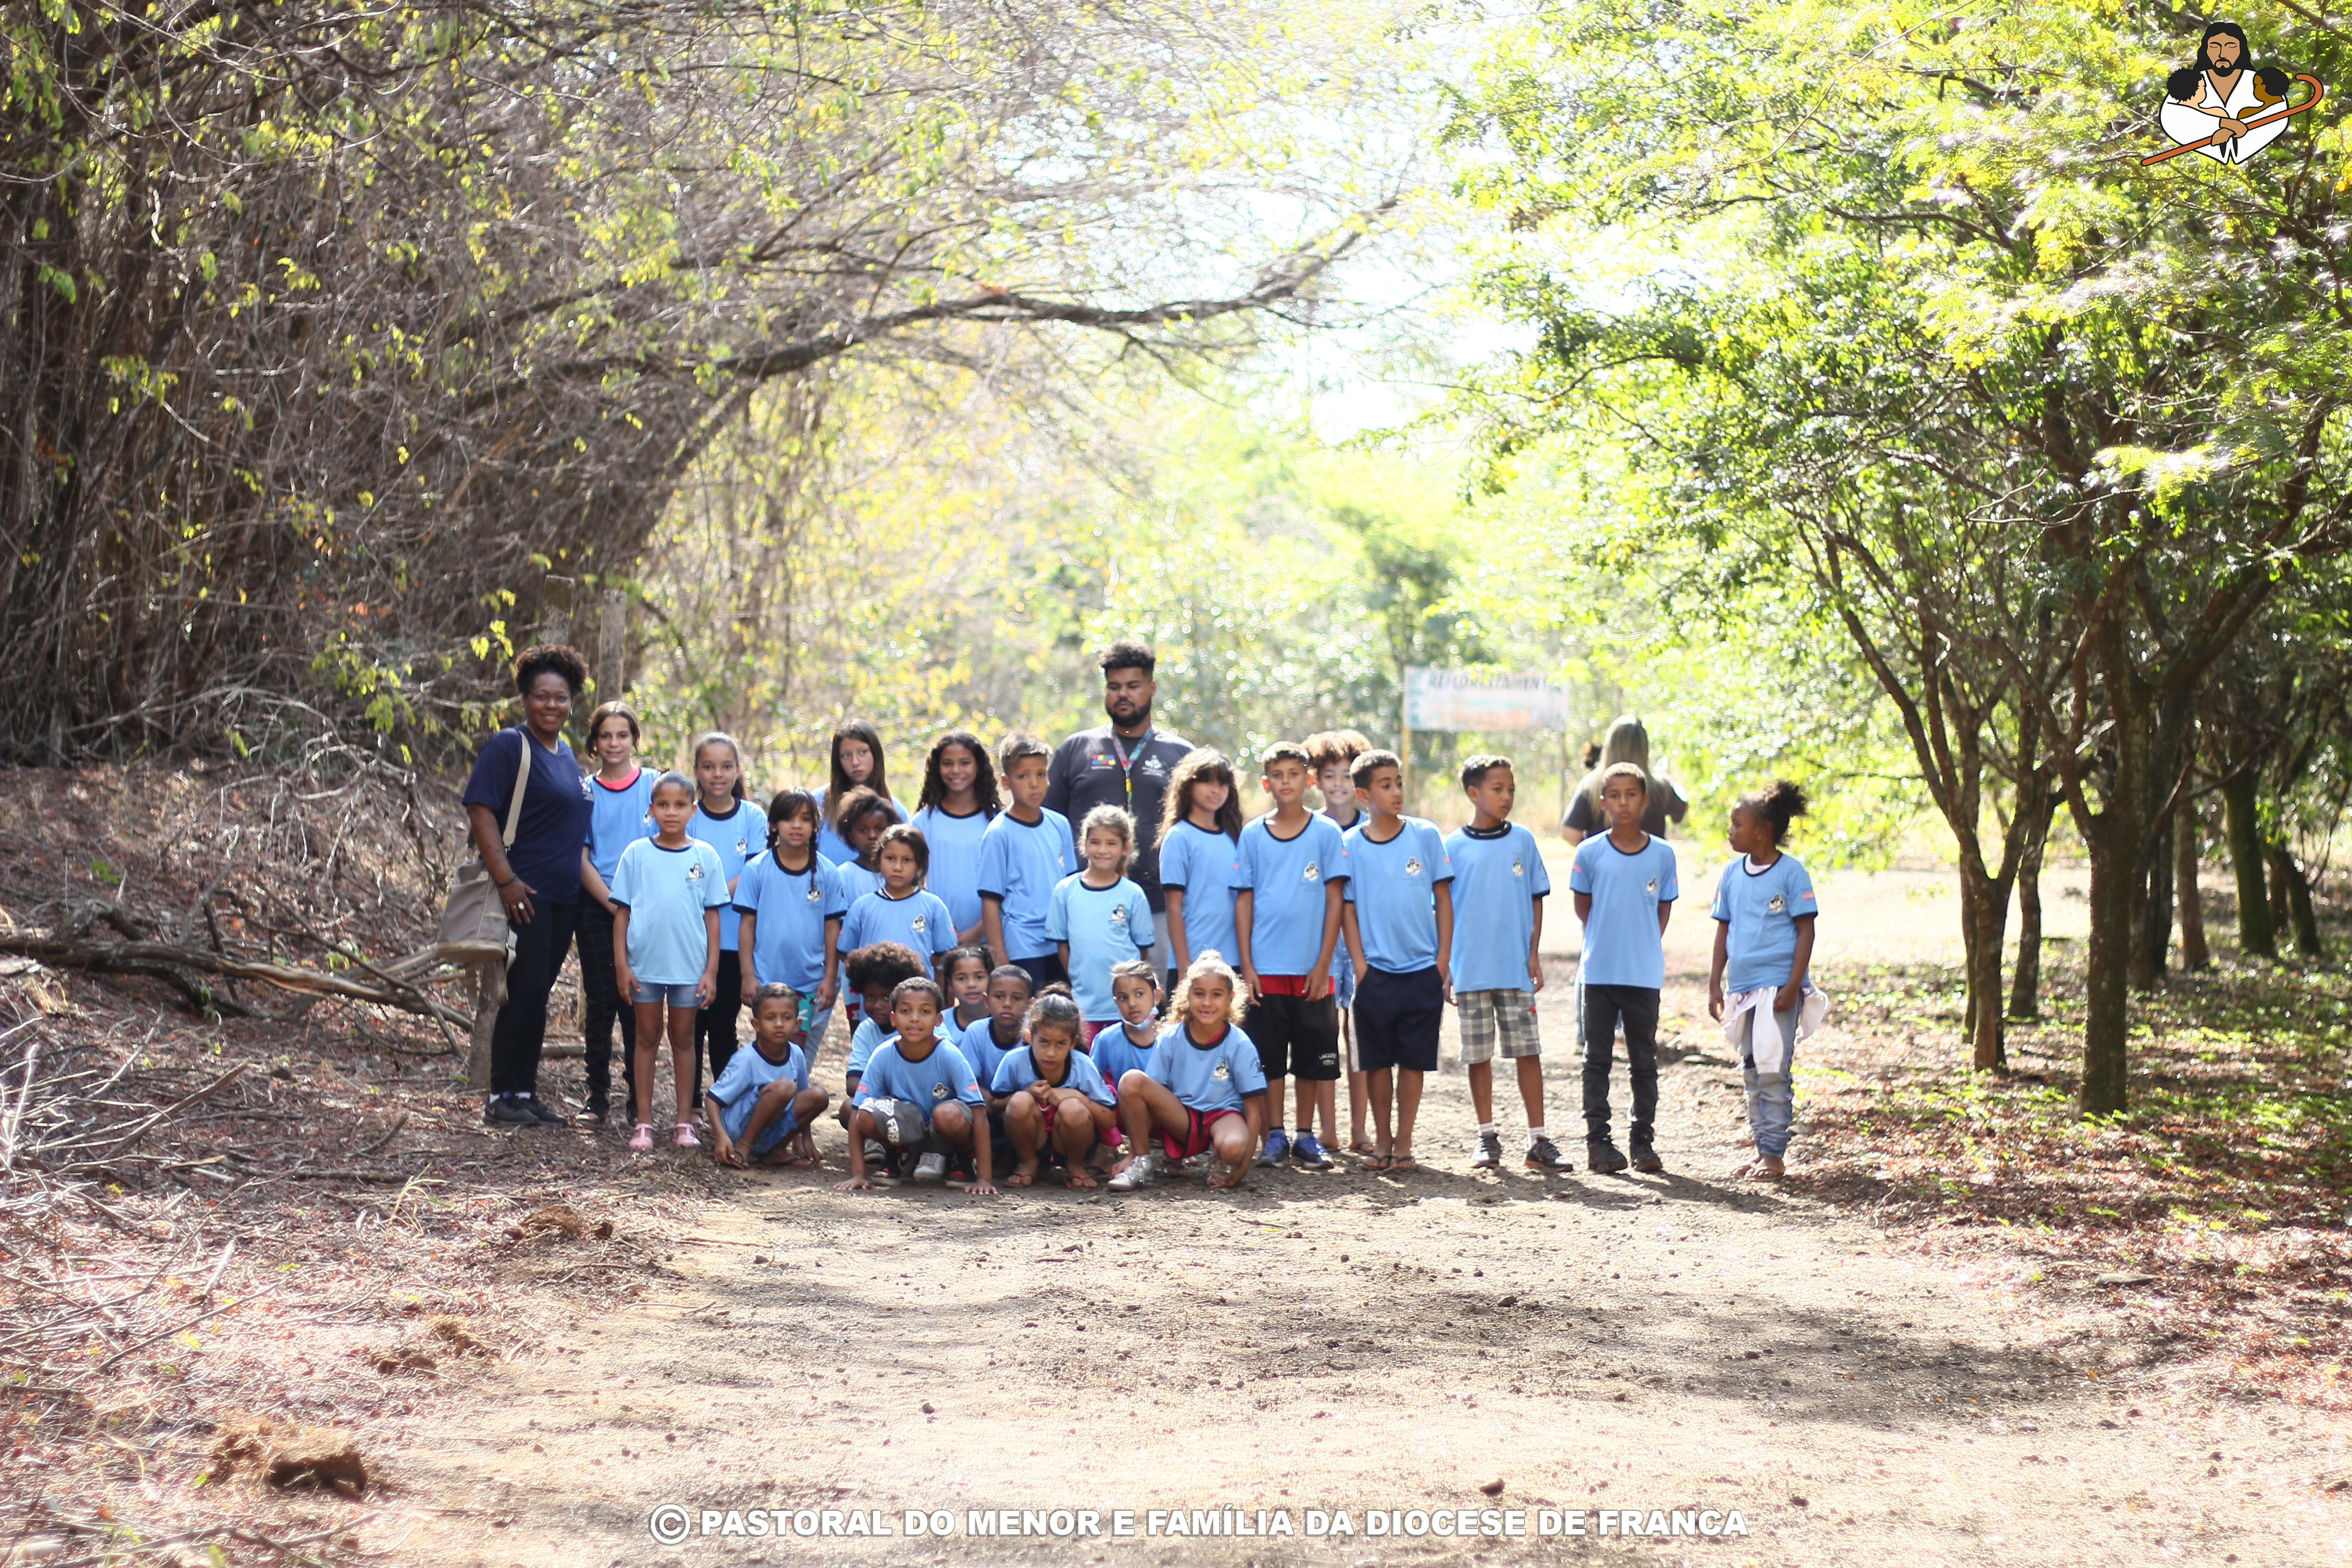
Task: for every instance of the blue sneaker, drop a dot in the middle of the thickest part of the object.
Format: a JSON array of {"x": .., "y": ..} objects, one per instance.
[
  {"x": 1308, "y": 1152},
  {"x": 1277, "y": 1144}
]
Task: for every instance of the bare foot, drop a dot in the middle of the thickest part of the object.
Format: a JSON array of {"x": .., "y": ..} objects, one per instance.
[
  {"x": 1360, "y": 1144},
  {"x": 1403, "y": 1160},
  {"x": 1078, "y": 1178},
  {"x": 1225, "y": 1176},
  {"x": 1769, "y": 1169},
  {"x": 1022, "y": 1174}
]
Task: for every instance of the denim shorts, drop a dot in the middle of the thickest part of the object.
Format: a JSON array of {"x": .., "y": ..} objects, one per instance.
[{"x": 675, "y": 995}]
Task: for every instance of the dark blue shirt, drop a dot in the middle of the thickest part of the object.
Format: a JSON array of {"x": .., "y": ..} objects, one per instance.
[{"x": 552, "y": 826}]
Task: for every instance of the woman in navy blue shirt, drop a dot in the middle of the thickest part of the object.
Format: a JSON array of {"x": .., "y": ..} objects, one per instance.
[{"x": 539, "y": 878}]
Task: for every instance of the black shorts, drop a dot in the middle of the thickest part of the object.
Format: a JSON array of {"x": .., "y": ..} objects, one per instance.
[
  {"x": 1397, "y": 1020},
  {"x": 1044, "y": 972},
  {"x": 1295, "y": 1037}
]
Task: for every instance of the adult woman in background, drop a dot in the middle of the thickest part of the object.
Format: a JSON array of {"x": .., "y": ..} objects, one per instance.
[
  {"x": 1628, "y": 742},
  {"x": 539, "y": 878}
]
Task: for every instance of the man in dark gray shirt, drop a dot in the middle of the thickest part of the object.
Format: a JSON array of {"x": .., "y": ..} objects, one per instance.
[{"x": 1126, "y": 763}]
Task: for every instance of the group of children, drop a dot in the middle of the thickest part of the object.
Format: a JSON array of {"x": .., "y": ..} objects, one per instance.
[{"x": 1006, "y": 998}]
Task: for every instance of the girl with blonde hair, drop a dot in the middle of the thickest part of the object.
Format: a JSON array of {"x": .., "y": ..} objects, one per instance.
[{"x": 1629, "y": 742}]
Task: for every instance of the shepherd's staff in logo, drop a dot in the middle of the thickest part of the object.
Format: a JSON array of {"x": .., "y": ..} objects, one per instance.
[{"x": 2222, "y": 138}]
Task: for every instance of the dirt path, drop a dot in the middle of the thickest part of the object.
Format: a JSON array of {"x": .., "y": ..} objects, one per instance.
[{"x": 1343, "y": 1341}]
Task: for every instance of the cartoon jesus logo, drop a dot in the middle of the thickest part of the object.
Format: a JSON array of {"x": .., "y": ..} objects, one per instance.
[{"x": 2225, "y": 106}]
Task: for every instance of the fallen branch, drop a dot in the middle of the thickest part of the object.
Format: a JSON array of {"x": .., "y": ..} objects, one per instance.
[{"x": 166, "y": 961}]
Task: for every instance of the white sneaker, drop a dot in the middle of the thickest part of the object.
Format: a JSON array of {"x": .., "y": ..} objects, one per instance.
[
  {"x": 1139, "y": 1173},
  {"x": 932, "y": 1168}
]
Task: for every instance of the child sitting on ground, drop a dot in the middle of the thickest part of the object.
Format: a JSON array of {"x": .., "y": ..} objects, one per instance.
[
  {"x": 1205, "y": 1089},
  {"x": 918, "y": 1096},
  {"x": 1764, "y": 910},
  {"x": 761, "y": 1106},
  {"x": 1057, "y": 1106},
  {"x": 989, "y": 1039}
]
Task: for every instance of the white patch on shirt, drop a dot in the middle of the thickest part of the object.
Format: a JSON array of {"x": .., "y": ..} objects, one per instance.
[
  {"x": 814, "y": 896},
  {"x": 1313, "y": 872},
  {"x": 1220, "y": 1072},
  {"x": 1518, "y": 867},
  {"x": 1413, "y": 865},
  {"x": 1152, "y": 765},
  {"x": 1779, "y": 904},
  {"x": 694, "y": 871},
  {"x": 1118, "y": 916},
  {"x": 918, "y": 924},
  {"x": 743, "y": 846},
  {"x": 939, "y": 1091},
  {"x": 1652, "y": 889}
]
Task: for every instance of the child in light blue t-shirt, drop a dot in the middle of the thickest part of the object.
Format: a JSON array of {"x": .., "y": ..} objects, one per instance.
[
  {"x": 666, "y": 893},
  {"x": 1764, "y": 910},
  {"x": 1624, "y": 884},
  {"x": 1098, "y": 918},
  {"x": 761, "y": 1106}
]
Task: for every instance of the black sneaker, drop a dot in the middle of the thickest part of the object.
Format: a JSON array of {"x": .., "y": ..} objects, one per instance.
[
  {"x": 509, "y": 1109},
  {"x": 597, "y": 1111},
  {"x": 1646, "y": 1158},
  {"x": 541, "y": 1111},
  {"x": 1543, "y": 1154},
  {"x": 1599, "y": 1154}
]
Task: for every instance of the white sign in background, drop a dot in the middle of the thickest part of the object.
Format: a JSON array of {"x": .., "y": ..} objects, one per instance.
[{"x": 1458, "y": 700}]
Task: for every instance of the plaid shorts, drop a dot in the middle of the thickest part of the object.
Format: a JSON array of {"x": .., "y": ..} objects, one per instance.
[{"x": 1497, "y": 1023}]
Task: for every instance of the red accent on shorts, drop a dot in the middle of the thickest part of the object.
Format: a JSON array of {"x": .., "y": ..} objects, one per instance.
[
  {"x": 1282, "y": 985},
  {"x": 1199, "y": 1135}
]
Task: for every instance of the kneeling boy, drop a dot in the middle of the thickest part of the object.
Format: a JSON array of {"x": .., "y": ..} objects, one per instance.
[
  {"x": 918, "y": 1096},
  {"x": 762, "y": 1105}
]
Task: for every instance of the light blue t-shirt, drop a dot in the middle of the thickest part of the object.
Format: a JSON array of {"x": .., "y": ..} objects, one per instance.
[
  {"x": 920, "y": 920},
  {"x": 738, "y": 837},
  {"x": 748, "y": 1074},
  {"x": 978, "y": 1044},
  {"x": 1622, "y": 945},
  {"x": 1020, "y": 863},
  {"x": 1207, "y": 1077},
  {"x": 856, "y": 883},
  {"x": 1104, "y": 926},
  {"x": 1018, "y": 1070},
  {"x": 941, "y": 1077},
  {"x": 954, "y": 875},
  {"x": 1394, "y": 889},
  {"x": 832, "y": 845},
  {"x": 1496, "y": 880},
  {"x": 1117, "y": 1055},
  {"x": 620, "y": 816},
  {"x": 792, "y": 907},
  {"x": 868, "y": 1038},
  {"x": 1286, "y": 879},
  {"x": 665, "y": 891},
  {"x": 1208, "y": 866},
  {"x": 1761, "y": 909}
]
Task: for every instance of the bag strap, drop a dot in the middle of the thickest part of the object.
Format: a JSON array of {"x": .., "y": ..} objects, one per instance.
[{"x": 522, "y": 777}]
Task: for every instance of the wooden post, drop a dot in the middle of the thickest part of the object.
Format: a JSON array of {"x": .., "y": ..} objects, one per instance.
[
  {"x": 1405, "y": 750},
  {"x": 557, "y": 597},
  {"x": 613, "y": 646},
  {"x": 489, "y": 995}
]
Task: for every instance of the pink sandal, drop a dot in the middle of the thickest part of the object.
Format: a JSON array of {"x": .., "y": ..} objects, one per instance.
[
  {"x": 685, "y": 1137},
  {"x": 644, "y": 1139}
]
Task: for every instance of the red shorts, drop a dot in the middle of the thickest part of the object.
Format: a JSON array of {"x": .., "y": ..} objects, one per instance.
[
  {"x": 1104, "y": 1135},
  {"x": 1199, "y": 1137}
]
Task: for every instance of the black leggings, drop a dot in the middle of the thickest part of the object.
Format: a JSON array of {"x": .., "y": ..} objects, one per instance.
[
  {"x": 714, "y": 1026},
  {"x": 600, "y": 1005},
  {"x": 520, "y": 1029}
]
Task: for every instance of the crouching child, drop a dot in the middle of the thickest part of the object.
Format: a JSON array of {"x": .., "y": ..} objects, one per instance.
[
  {"x": 761, "y": 1107},
  {"x": 920, "y": 1097},
  {"x": 1203, "y": 1090}
]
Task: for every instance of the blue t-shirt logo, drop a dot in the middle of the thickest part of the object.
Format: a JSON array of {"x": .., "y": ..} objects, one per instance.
[
  {"x": 1651, "y": 887},
  {"x": 939, "y": 1091},
  {"x": 743, "y": 846},
  {"x": 1312, "y": 872},
  {"x": 1412, "y": 865},
  {"x": 814, "y": 896},
  {"x": 694, "y": 872},
  {"x": 1518, "y": 867},
  {"x": 1779, "y": 904},
  {"x": 1222, "y": 1073},
  {"x": 917, "y": 924},
  {"x": 1118, "y": 917}
]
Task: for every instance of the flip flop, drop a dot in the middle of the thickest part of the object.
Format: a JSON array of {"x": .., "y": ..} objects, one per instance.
[
  {"x": 1400, "y": 1163},
  {"x": 1376, "y": 1162}
]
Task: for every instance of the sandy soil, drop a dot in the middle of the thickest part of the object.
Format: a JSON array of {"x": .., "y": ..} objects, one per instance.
[{"x": 1351, "y": 1341}]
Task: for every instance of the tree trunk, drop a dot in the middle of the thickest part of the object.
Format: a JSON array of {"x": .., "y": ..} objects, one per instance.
[
  {"x": 2106, "y": 1012},
  {"x": 2025, "y": 988},
  {"x": 1984, "y": 911},
  {"x": 2194, "y": 954},
  {"x": 2152, "y": 913},
  {"x": 2294, "y": 890},
  {"x": 2257, "y": 937},
  {"x": 2275, "y": 862}
]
